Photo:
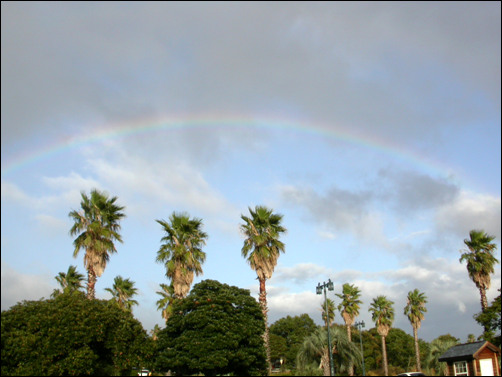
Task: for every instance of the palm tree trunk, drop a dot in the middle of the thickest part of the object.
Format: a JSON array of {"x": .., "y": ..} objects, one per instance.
[
  {"x": 384, "y": 354},
  {"x": 484, "y": 301},
  {"x": 91, "y": 282},
  {"x": 417, "y": 349},
  {"x": 351, "y": 364},
  {"x": 264, "y": 309},
  {"x": 325, "y": 363}
]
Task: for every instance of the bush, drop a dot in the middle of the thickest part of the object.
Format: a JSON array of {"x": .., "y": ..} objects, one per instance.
[{"x": 70, "y": 335}]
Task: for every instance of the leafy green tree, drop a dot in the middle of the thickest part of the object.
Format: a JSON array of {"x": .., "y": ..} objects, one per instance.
[
  {"x": 181, "y": 251},
  {"x": 71, "y": 335},
  {"x": 490, "y": 320},
  {"x": 415, "y": 309},
  {"x": 314, "y": 349},
  {"x": 97, "y": 226},
  {"x": 480, "y": 261},
  {"x": 349, "y": 308},
  {"x": 217, "y": 330},
  {"x": 70, "y": 281},
  {"x": 122, "y": 292},
  {"x": 293, "y": 330},
  {"x": 278, "y": 348},
  {"x": 383, "y": 316},
  {"x": 261, "y": 249}
]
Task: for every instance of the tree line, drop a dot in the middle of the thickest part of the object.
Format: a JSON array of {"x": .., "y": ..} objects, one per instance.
[{"x": 96, "y": 227}]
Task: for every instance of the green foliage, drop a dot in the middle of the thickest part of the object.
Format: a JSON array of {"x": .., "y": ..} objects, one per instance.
[
  {"x": 491, "y": 321},
  {"x": 293, "y": 330},
  {"x": 216, "y": 329},
  {"x": 71, "y": 335},
  {"x": 437, "y": 348},
  {"x": 314, "y": 350},
  {"x": 400, "y": 349}
]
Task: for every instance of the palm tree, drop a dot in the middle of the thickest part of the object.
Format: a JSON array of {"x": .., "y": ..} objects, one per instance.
[
  {"x": 122, "y": 291},
  {"x": 155, "y": 332},
  {"x": 415, "y": 309},
  {"x": 383, "y": 316},
  {"x": 349, "y": 308},
  {"x": 97, "y": 226},
  {"x": 314, "y": 349},
  {"x": 70, "y": 281},
  {"x": 261, "y": 249},
  {"x": 331, "y": 312},
  {"x": 181, "y": 251},
  {"x": 480, "y": 261},
  {"x": 166, "y": 300}
]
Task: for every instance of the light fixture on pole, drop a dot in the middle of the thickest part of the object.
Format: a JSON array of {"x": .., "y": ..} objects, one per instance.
[
  {"x": 360, "y": 325},
  {"x": 319, "y": 290}
]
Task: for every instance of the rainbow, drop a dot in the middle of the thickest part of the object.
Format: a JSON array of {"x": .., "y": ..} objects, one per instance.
[{"x": 144, "y": 126}]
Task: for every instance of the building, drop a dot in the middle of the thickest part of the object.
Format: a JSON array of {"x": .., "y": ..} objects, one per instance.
[{"x": 472, "y": 359}]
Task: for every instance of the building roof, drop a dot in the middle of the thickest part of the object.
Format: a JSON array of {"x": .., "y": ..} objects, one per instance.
[{"x": 467, "y": 351}]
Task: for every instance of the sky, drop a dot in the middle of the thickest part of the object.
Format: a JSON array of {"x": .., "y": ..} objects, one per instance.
[{"x": 372, "y": 127}]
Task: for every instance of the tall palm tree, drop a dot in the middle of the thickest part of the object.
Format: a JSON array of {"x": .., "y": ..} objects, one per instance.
[
  {"x": 166, "y": 300},
  {"x": 261, "y": 249},
  {"x": 480, "y": 261},
  {"x": 97, "y": 226},
  {"x": 415, "y": 309},
  {"x": 349, "y": 308},
  {"x": 314, "y": 349},
  {"x": 70, "y": 281},
  {"x": 122, "y": 291},
  {"x": 383, "y": 316},
  {"x": 331, "y": 312},
  {"x": 181, "y": 251}
]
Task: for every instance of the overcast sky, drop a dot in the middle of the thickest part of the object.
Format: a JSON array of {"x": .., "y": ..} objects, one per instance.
[{"x": 374, "y": 128}]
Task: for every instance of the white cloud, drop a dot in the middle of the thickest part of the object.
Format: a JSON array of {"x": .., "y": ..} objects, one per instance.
[
  {"x": 52, "y": 225},
  {"x": 470, "y": 211},
  {"x": 301, "y": 273},
  {"x": 165, "y": 181},
  {"x": 452, "y": 297},
  {"x": 17, "y": 286}
]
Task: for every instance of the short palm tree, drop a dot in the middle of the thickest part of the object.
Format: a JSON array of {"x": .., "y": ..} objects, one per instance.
[
  {"x": 155, "y": 332},
  {"x": 166, "y": 300},
  {"x": 122, "y": 291},
  {"x": 480, "y": 261},
  {"x": 261, "y": 249},
  {"x": 314, "y": 349},
  {"x": 383, "y": 316},
  {"x": 437, "y": 348},
  {"x": 415, "y": 309},
  {"x": 97, "y": 226},
  {"x": 349, "y": 308},
  {"x": 181, "y": 251},
  {"x": 70, "y": 282},
  {"x": 331, "y": 312}
]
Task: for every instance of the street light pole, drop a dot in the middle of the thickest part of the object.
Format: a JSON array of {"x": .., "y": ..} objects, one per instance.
[
  {"x": 319, "y": 290},
  {"x": 358, "y": 325}
]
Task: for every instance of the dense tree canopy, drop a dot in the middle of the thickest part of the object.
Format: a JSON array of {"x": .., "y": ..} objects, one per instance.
[
  {"x": 217, "y": 329},
  {"x": 71, "y": 335},
  {"x": 293, "y": 330}
]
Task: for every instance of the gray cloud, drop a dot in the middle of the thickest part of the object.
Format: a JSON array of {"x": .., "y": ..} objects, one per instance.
[
  {"x": 103, "y": 62},
  {"x": 410, "y": 191}
]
